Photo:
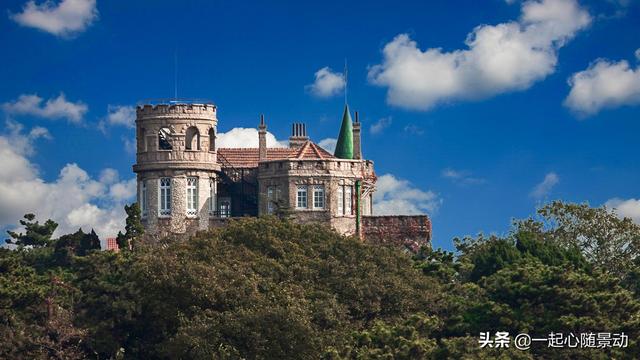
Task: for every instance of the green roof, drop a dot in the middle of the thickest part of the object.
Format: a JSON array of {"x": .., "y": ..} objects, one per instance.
[{"x": 344, "y": 146}]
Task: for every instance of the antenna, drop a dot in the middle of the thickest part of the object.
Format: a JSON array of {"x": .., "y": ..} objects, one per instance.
[
  {"x": 175, "y": 74},
  {"x": 346, "y": 80}
]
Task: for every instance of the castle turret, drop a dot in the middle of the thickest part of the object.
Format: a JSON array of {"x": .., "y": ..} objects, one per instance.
[
  {"x": 344, "y": 146},
  {"x": 357, "y": 148},
  {"x": 176, "y": 165},
  {"x": 262, "y": 139}
]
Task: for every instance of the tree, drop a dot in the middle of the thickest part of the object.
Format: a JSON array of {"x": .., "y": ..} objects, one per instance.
[
  {"x": 607, "y": 242},
  {"x": 36, "y": 235},
  {"x": 133, "y": 227}
]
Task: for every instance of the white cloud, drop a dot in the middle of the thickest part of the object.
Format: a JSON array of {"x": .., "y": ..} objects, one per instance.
[
  {"x": 64, "y": 19},
  {"x": 543, "y": 188},
  {"x": 73, "y": 200},
  {"x": 499, "y": 58},
  {"x": 462, "y": 177},
  {"x": 245, "y": 138},
  {"x": 327, "y": 83},
  {"x": 54, "y": 108},
  {"x": 603, "y": 85},
  {"x": 328, "y": 144},
  {"x": 121, "y": 116},
  {"x": 629, "y": 208},
  {"x": 413, "y": 129},
  {"x": 399, "y": 197},
  {"x": 378, "y": 126}
]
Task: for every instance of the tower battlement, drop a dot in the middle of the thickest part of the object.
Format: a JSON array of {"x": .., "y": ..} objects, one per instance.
[{"x": 178, "y": 108}]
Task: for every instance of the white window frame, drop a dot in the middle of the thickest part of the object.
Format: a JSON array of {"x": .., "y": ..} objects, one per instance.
[
  {"x": 192, "y": 196},
  {"x": 212, "y": 196},
  {"x": 318, "y": 197},
  {"x": 302, "y": 197},
  {"x": 164, "y": 197},
  {"x": 348, "y": 200},
  {"x": 272, "y": 197},
  {"x": 340, "y": 200},
  {"x": 143, "y": 198},
  {"x": 224, "y": 208}
]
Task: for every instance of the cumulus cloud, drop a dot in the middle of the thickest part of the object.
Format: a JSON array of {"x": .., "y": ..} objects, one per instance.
[
  {"x": 462, "y": 177},
  {"x": 499, "y": 58},
  {"x": 395, "y": 196},
  {"x": 64, "y": 19},
  {"x": 327, "y": 83},
  {"x": 54, "y": 108},
  {"x": 604, "y": 84},
  {"x": 543, "y": 188},
  {"x": 121, "y": 116},
  {"x": 328, "y": 144},
  {"x": 629, "y": 208},
  {"x": 73, "y": 199},
  {"x": 378, "y": 126},
  {"x": 245, "y": 138}
]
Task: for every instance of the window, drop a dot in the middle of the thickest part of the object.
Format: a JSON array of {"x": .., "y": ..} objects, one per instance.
[
  {"x": 271, "y": 194},
  {"x": 192, "y": 139},
  {"x": 164, "y": 207},
  {"x": 301, "y": 198},
  {"x": 192, "y": 196},
  {"x": 225, "y": 207},
  {"x": 347, "y": 200},
  {"x": 212, "y": 140},
  {"x": 318, "y": 197},
  {"x": 212, "y": 196},
  {"x": 143, "y": 198},
  {"x": 163, "y": 139}
]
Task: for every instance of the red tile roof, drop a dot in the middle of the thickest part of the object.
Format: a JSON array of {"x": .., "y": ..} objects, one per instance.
[{"x": 249, "y": 157}]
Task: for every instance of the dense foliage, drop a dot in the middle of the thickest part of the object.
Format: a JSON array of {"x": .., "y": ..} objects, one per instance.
[{"x": 268, "y": 288}]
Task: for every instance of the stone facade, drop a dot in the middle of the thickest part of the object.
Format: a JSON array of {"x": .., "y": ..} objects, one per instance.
[{"x": 175, "y": 142}]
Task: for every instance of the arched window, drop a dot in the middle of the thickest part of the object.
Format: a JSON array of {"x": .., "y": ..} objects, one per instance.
[
  {"x": 212, "y": 140},
  {"x": 192, "y": 139},
  {"x": 163, "y": 139}
]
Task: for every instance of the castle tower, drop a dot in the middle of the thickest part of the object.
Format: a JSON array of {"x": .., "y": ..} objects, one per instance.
[{"x": 176, "y": 165}]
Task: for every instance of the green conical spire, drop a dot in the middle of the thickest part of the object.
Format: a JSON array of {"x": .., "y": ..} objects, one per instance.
[{"x": 344, "y": 147}]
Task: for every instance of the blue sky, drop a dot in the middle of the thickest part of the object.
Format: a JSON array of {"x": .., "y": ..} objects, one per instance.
[{"x": 477, "y": 121}]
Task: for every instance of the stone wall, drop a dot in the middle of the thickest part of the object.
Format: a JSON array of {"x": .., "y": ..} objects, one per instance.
[{"x": 410, "y": 232}]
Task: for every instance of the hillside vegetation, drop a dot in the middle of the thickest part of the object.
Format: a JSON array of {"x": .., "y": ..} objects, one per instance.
[{"x": 271, "y": 289}]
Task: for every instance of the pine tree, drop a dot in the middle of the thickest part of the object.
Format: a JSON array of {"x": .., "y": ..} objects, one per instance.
[
  {"x": 36, "y": 235},
  {"x": 133, "y": 228}
]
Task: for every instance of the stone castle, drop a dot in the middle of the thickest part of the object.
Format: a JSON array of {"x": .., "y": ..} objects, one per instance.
[{"x": 186, "y": 183}]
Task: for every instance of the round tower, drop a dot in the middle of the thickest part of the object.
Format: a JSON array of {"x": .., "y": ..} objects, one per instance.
[{"x": 176, "y": 165}]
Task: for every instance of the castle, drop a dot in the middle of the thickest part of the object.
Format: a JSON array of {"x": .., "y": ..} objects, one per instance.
[{"x": 186, "y": 183}]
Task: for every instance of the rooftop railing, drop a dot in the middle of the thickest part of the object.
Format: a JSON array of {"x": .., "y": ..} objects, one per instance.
[{"x": 175, "y": 101}]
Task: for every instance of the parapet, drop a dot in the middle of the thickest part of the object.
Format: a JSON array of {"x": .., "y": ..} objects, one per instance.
[{"x": 194, "y": 109}]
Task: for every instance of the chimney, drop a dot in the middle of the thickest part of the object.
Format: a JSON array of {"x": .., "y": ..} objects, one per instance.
[
  {"x": 298, "y": 135},
  {"x": 357, "y": 149},
  {"x": 262, "y": 140}
]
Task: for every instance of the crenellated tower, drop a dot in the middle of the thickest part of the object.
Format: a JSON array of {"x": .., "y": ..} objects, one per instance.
[{"x": 176, "y": 165}]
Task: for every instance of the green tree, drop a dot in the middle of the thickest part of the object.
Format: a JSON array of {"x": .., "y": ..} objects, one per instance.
[
  {"x": 607, "y": 242},
  {"x": 133, "y": 227},
  {"x": 36, "y": 234}
]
